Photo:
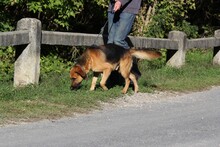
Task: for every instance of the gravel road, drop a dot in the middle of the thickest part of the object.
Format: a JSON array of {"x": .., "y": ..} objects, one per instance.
[{"x": 140, "y": 120}]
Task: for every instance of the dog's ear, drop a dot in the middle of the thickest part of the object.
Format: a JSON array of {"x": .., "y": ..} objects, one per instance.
[{"x": 80, "y": 71}]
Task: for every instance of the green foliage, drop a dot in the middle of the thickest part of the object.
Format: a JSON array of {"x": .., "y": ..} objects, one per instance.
[
  {"x": 57, "y": 61},
  {"x": 6, "y": 63},
  {"x": 102, "y": 3},
  {"x": 54, "y": 14},
  {"x": 57, "y": 12},
  {"x": 53, "y": 63},
  {"x": 5, "y": 26},
  {"x": 170, "y": 15},
  {"x": 206, "y": 16},
  {"x": 190, "y": 30}
]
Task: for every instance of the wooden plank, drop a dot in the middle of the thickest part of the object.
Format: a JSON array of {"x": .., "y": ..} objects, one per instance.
[
  {"x": 202, "y": 43},
  {"x": 14, "y": 38},
  {"x": 156, "y": 43},
  {"x": 70, "y": 39},
  {"x": 217, "y": 42},
  {"x": 82, "y": 39}
]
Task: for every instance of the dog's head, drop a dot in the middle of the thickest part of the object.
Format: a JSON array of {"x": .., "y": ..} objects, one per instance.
[{"x": 77, "y": 74}]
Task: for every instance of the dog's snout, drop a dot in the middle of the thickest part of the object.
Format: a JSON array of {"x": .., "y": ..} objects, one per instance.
[
  {"x": 71, "y": 88},
  {"x": 75, "y": 87}
]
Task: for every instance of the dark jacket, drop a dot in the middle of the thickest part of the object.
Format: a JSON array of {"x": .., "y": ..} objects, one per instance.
[{"x": 129, "y": 6}]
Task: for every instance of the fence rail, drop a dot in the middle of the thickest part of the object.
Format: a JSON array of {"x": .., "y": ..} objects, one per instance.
[
  {"x": 14, "y": 38},
  {"x": 29, "y": 33},
  {"x": 203, "y": 43}
]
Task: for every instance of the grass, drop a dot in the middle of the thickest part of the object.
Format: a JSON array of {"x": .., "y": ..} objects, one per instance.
[
  {"x": 197, "y": 74},
  {"x": 53, "y": 99}
]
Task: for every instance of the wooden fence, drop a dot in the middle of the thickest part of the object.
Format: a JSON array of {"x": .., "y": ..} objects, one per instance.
[{"x": 29, "y": 36}]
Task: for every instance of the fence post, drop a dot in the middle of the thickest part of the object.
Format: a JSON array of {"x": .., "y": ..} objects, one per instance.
[
  {"x": 176, "y": 58},
  {"x": 216, "y": 55},
  {"x": 27, "y": 64}
]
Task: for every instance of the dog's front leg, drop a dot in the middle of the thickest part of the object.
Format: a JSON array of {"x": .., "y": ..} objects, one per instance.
[
  {"x": 94, "y": 80},
  {"x": 106, "y": 74}
]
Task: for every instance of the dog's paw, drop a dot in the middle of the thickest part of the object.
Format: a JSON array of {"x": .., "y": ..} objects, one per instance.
[
  {"x": 124, "y": 91},
  {"x": 105, "y": 88},
  {"x": 136, "y": 91}
]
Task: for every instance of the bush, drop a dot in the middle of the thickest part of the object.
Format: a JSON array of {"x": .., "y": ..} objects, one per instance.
[{"x": 7, "y": 63}]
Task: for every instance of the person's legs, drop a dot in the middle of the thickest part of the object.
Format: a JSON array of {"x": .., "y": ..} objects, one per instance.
[
  {"x": 111, "y": 27},
  {"x": 119, "y": 26},
  {"x": 123, "y": 28}
]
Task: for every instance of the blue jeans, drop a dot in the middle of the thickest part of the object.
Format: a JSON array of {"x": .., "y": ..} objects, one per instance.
[{"x": 119, "y": 26}]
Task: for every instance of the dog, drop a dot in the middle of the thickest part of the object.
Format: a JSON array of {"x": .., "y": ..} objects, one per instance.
[{"x": 105, "y": 59}]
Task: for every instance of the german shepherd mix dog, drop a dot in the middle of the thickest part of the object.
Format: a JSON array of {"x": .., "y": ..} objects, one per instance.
[{"x": 106, "y": 58}]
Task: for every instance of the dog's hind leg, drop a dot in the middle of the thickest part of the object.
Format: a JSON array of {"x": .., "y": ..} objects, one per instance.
[
  {"x": 106, "y": 74},
  {"x": 94, "y": 80},
  {"x": 125, "y": 67},
  {"x": 134, "y": 80},
  {"x": 127, "y": 83},
  {"x": 125, "y": 75}
]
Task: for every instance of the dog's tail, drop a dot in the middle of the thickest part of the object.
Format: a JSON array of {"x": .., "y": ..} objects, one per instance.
[{"x": 145, "y": 54}]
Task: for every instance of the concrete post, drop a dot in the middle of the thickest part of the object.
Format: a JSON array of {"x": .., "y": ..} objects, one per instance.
[
  {"x": 27, "y": 64},
  {"x": 177, "y": 58},
  {"x": 216, "y": 55}
]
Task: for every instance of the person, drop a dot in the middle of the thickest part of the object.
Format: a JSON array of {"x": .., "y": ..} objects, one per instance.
[{"x": 121, "y": 16}]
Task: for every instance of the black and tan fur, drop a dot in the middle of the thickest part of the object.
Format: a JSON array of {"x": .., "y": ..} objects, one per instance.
[{"x": 106, "y": 58}]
